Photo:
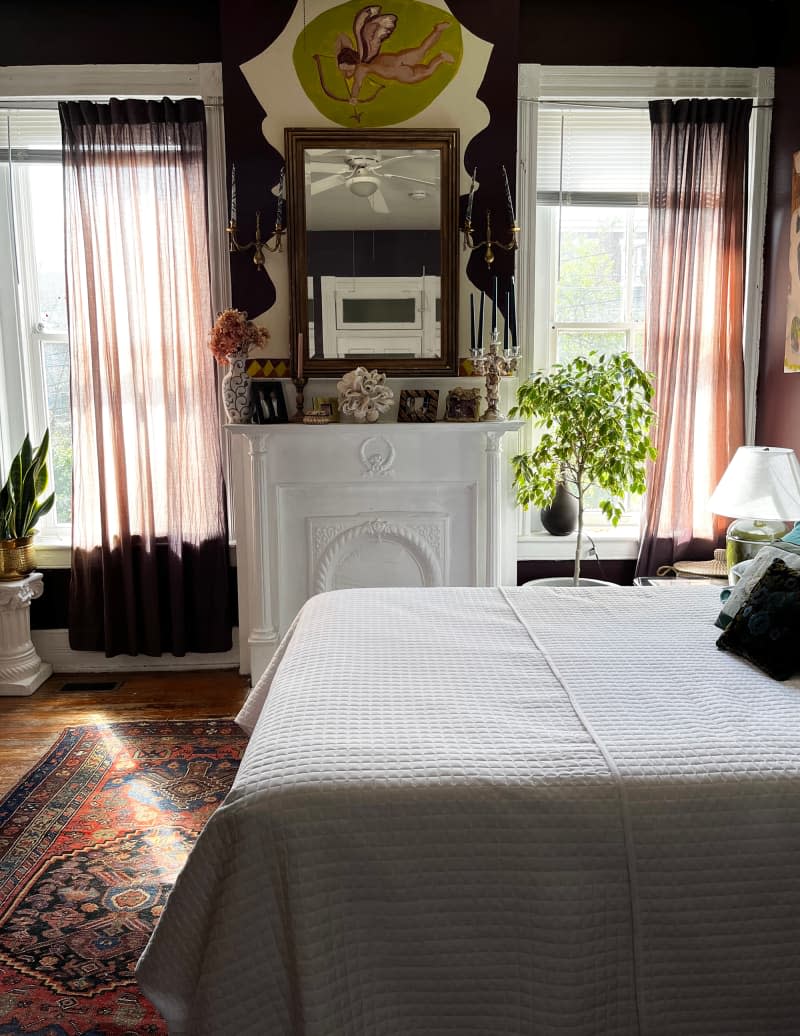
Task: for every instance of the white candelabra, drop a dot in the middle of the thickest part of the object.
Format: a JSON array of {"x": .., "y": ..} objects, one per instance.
[{"x": 494, "y": 365}]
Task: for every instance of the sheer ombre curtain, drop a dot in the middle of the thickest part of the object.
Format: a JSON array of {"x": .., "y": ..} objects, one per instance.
[
  {"x": 693, "y": 337},
  {"x": 149, "y": 563}
]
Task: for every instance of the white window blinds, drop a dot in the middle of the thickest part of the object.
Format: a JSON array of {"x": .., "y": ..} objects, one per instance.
[
  {"x": 593, "y": 156},
  {"x": 28, "y": 132}
]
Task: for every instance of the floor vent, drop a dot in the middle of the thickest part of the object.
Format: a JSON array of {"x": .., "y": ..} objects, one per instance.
[{"x": 91, "y": 685}]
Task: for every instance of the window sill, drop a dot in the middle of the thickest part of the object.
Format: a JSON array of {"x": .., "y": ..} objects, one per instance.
[
  {"x": 53, "y": 550},
  {"x": 612, "y": 544}
]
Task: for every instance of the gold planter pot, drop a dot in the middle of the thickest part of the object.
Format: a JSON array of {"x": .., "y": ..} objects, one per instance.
[{"x": 16, "y": 558}]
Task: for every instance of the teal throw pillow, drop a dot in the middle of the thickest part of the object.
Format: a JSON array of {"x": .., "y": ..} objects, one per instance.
[
  {"x": 793, "y": 536},
  {"x": 766, "y": 629}
]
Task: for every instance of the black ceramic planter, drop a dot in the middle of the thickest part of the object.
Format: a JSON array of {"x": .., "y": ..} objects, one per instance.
[{"x": 561, "y": 517}]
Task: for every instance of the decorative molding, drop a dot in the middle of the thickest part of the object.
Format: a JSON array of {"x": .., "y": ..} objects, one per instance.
[
  {"x": 21, "y": 669},
  {"x": 202, "y": 80},
  {"x": 377, "y": 464},
  {"x": 20, "y": 593},
  {"x": 379, "y": 530}
]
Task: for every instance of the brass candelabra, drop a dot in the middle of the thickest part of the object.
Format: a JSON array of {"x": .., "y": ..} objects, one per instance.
[
  {"x": 494, "y": 366},
  {"x": 259, "y": 245},
  {"x": 489, "y": 243}
]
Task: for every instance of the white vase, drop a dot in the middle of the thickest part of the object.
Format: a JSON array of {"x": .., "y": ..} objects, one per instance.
[{"x": 236, "y": 392}]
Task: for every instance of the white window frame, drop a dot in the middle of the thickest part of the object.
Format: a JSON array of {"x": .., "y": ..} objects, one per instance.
[
  {"x": 22, "y": 86},
  {"x": 627, "y": 86}
]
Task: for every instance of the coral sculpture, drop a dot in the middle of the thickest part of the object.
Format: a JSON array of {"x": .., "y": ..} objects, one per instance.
[{"x": 363, "y": 394}]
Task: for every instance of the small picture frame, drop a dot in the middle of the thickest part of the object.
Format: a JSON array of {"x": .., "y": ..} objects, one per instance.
[
  {"x": 268, "y": 402},
  {"x": 329, "y": 405},
  {"x": 418, "y": 405},
  {"x": 462, "y": 404}
]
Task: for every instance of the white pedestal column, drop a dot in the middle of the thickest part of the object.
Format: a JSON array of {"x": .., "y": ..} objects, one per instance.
[{"x": 21, "y": 669}]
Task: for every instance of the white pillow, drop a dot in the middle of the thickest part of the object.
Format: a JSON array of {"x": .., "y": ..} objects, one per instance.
[{"x": 735, "y": 597}]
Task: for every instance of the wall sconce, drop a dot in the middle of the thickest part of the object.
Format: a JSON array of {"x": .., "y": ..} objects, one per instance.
[
  {"x": 489, "y": 243},
  {"x": 260, "y": 247}
]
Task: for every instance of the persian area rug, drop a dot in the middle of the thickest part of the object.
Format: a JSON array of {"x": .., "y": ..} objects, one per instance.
[{"x": 90, "y": 844}]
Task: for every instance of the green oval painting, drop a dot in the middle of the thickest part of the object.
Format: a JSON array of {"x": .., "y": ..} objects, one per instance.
[{"x": 373, "y": 66}]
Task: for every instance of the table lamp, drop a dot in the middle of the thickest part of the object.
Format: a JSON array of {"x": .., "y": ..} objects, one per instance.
[{"x": 760, "y": 490}]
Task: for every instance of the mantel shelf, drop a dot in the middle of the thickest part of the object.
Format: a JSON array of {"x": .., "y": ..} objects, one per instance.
[{"x": 376, "y": 427}]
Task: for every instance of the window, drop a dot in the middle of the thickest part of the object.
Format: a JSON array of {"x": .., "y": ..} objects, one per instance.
[
  {"x": 582, "y": 184},
  {"x": 34, "y": 326},
  {"x": 34, "y": 351},
  {"x": 593, "y": 170}
]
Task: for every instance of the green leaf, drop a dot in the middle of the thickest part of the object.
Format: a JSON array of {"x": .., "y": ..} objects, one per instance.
[{"x": 21, "y": 503}]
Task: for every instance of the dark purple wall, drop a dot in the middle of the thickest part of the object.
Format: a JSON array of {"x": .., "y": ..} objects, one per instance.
[{"x": 56, "y": 32}]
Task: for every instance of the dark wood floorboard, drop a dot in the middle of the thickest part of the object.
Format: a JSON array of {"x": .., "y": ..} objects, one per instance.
[{"x": 29, "y": 726}]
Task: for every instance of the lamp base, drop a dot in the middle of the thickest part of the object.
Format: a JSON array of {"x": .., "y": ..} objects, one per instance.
[{"x": 746, "y": 536}]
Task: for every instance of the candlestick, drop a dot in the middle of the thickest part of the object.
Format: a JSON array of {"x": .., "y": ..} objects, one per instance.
[
  {"x": 281, "y": 199},
  {"x": 468, "y": 218},
  {"x": 494, "y": 306},
  {"x": 471, "y": 323},
  {"x": 509, "y": 202},
  {"x": 513, "y": 303},
  {"x": 494, "y": 367},
  {"x": 479, "y": 343},
  {"x": 506, "y": 321},
  {"x": 233, "y": 193}
]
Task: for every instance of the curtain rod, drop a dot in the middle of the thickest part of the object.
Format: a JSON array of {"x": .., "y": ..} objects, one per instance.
[{"x": 50, "y": 106}]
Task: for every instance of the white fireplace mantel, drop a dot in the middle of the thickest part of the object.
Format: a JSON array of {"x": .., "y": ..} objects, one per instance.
[{"x": 325, "y": 507}]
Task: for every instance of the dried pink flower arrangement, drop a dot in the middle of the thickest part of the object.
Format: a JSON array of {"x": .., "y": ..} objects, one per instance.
[{"x": 233, "y": 334}]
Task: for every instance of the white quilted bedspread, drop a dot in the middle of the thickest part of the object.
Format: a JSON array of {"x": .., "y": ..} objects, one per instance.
[{"x": 483, "y": 812}]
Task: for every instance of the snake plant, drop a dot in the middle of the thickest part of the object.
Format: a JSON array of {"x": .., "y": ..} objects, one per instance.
[{"x": 22, "y": 500}]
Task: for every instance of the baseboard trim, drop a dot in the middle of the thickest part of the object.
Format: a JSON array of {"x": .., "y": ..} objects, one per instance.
[{"x": 53, "y": 647}]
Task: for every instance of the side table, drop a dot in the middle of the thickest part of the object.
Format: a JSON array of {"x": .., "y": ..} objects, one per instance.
[{"x": 21, "y": 669}]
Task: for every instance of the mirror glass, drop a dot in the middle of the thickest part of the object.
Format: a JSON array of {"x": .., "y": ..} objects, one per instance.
[{"x": 373, "y": 283}]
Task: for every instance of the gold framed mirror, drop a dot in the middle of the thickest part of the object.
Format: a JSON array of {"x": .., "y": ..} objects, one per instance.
[{"x": 373, "y": 251}]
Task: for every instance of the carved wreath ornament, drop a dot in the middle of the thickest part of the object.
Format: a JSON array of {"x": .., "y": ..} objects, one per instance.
[{"x": 363, "y": 394}]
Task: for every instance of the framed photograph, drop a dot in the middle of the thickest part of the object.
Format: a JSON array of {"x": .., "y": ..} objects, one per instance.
[
  {"x": 268, "y": 401},
  {"x": 329, "y": 405},
  {"x": 418, "y": 405},
  {"x": 462, "y": 404}
]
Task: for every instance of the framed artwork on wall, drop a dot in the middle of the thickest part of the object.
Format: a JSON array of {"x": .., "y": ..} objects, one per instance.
[
  {"x": 268, "y": 402},
  {"x": 418, "y": 405}
]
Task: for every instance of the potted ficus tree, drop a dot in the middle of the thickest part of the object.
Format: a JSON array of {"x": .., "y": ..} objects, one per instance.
[
  {"x": 22, "y": 504},
  {"x": 595, "y": 414}
]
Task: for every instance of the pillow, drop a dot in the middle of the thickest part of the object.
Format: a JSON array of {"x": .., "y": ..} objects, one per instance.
[
  {"x": 734, "y": 597},
  {"x": 765, "y": 629}
]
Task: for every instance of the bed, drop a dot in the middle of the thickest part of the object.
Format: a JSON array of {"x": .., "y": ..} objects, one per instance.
[{"x": 491, "y": 812}]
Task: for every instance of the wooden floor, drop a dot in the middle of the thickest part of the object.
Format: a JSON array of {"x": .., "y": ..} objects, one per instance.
[{"x": 29, "y": 726}]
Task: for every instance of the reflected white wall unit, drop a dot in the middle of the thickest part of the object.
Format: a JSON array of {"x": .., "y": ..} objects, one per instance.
[{"x": 344, "y": 505}]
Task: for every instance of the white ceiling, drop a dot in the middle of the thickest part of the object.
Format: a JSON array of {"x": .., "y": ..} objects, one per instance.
[{"x": 337, "y": 208}]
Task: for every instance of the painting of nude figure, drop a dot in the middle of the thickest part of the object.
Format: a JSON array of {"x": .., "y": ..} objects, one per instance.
[{"x": 366, "y": 65}]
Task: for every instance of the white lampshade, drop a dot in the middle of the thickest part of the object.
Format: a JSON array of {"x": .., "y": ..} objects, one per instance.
[
  {"x": 363, "y": 184},
  {"x": 761, "y": 482}
]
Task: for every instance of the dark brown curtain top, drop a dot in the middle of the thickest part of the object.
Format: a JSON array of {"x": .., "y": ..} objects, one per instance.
[{"x": 77, "y": 116}]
